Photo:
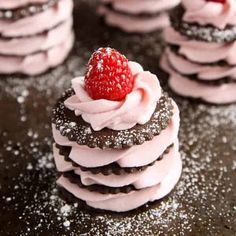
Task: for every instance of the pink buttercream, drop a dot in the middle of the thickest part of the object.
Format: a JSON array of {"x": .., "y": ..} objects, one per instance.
[
  {"x": 37, "y": 23},
  {"x": 41, "y": 42},
  {"x": 94, "y": 157},
  {"x": 36, "y": 63},
  {"x": 208, "y": 12},
  {"x": 124, "y": 202},
  {"x": 11, "y": 4},
  {"x": 203, "y": 72},
  {"x": 214, "y": 94},
  {"x": 201, "y": 52},
  {"x": 137, "y": 107},
  {"x": 151, "y": 176},
  {"x": 141, "y": 6},
  {"x": 132, "y": 24}
]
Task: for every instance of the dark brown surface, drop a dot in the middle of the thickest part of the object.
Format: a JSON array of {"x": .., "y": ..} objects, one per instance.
[{"x": 203, "y": 203}]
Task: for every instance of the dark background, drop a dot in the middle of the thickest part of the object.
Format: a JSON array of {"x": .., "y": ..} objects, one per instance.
[{"x": 203, "y": 203}]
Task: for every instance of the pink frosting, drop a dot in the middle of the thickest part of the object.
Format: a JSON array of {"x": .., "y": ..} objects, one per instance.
[
  {"x": 186, "y": 87},
  {"x": 94, "y": 157},
  {"x": 203, "y": 72},
  {"x": 40, "y": 42},
  {"x": 201, "y": 52},
  {"x": 124, "y": 202},
  {"x": 137, "y": 107},
  {"x": 37, "y": 63},
  {"x": 208, "y": 12},
  {"x": 151, "y": 176},
  {"x": 140, "y": 6},
  {"x": 39, "y": 22},
  {"x": 10, "y": 4},
  {"x": 133, "y": 24}
]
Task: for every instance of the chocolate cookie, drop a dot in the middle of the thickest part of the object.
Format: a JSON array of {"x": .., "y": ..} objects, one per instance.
[
  {"x": 75, "y": 179},
  {"x": 29, "y": 10},
  {"x": 77, "y": 130},
  {"x": 112, "y": 168},
  {"x": 195, "y": 31}
]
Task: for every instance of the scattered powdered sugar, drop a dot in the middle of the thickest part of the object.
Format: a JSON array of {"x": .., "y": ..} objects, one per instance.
[
  {"x": 200, "y": 198},
  {"x": 203, "y": 202}
]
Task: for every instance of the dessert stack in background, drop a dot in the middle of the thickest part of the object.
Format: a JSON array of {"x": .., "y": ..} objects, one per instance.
[
  {"x": 35, "y": 35},
  {"x": 137, "y": 16},
  {"x": 201, "y": 50},
  {"x": 116, "y": 136}
]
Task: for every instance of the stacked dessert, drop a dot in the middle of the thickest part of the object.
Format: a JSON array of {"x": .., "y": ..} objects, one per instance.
[
  {"x": 116, "y": 135},
  {"x": 35, "y": 35},
  {"x": 200, "y": 56},
  {"x": 137, "y": 16}
]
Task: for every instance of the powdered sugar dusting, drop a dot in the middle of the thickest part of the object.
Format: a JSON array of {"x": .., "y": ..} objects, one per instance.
[
  {"x": 201, "y": 196},
  {"x": 203, "y": 203}
]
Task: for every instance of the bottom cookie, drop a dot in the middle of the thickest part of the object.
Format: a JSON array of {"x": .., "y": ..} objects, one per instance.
[{"x": 82, "y": 206}]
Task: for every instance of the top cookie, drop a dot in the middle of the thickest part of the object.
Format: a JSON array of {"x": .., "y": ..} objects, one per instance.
[{"x": 197, "y": 31}]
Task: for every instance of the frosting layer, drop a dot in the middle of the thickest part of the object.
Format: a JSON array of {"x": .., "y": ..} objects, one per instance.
[
  {"x": 37, "y": 63},
  {"x": 37, "y": 23},
  {"x": 203, "y": 72},
  {"x": 124, "y": 202},
  {"x": 209, "y": 12},
  {"x": 41, "y": 42},
  {"x": 182, "y": 85},
  {"x": 151, "y": 176},
  {"x": 137, "y": 107},
  {"x": 208, "y": 64}
]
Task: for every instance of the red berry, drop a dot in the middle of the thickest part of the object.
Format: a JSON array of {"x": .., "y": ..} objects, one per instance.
[
  {"x": 219, "y": 1},
  {"x": 108, "y": 75}
]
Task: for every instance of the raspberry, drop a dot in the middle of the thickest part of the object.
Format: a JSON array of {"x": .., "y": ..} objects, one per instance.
[
  {"x": 108, "y": 75},
  {"x": 219, "y": 1}
]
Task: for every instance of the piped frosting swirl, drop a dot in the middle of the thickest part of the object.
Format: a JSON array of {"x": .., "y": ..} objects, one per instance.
[{"x": 137, "y": 107}]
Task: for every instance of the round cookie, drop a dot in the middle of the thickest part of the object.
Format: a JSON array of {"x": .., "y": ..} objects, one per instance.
[{"x": 77, "y": 130}]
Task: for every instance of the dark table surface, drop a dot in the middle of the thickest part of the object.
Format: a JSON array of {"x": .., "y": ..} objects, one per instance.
[{"x": 204, "y": 201}]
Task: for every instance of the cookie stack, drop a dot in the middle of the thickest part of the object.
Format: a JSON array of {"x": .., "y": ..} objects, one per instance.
[
  {"x": 137, "y": 16},
  {"x": 35, "y": 35},
  {"x": 201, "y": 52},
  {"x": 116, "y": 136}
]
